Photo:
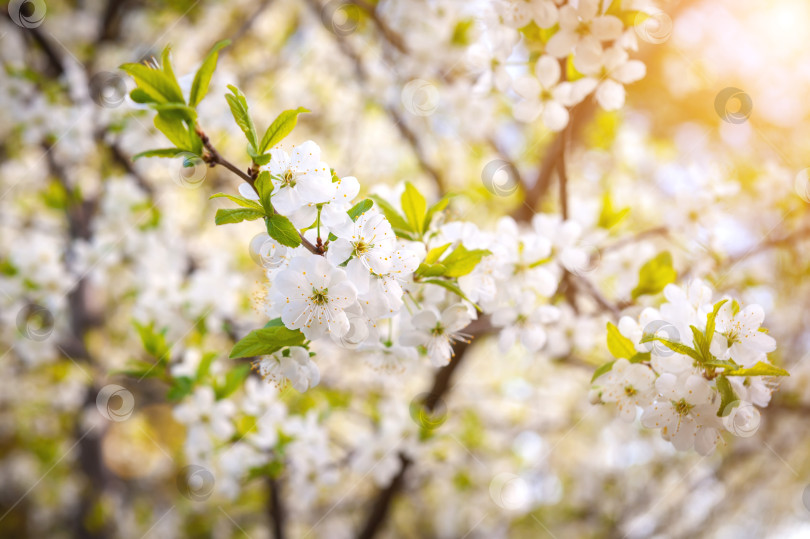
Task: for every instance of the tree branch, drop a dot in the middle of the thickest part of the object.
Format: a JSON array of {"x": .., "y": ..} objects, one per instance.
[{"x": 213, "y": 158}]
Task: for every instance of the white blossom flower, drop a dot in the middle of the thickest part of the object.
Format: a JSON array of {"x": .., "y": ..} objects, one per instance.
[
  {"x": 525, "y": 322},
  {"x": 437, "y": 332},
  {"x": 582, "y": 25},
  {"x": 299, "y": 178},
  {"x": 313, "y": 296},
  {"x": 629, "y": 385},
  {"x": 608, "y": 71},
  {"x": 291, "y": 364}
]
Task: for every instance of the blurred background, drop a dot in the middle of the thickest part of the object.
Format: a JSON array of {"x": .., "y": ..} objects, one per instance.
[{"x": 108, "y": 263}]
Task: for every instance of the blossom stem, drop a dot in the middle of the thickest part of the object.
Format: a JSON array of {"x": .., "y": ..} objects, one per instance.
[{"x": 212, "y": 157}]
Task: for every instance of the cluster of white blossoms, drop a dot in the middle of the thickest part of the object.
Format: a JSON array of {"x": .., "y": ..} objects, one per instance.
[
  {"x": 583, "y": 49},
  {"x": 694, "y": 367},
  {"x": 396, "y": 290}
]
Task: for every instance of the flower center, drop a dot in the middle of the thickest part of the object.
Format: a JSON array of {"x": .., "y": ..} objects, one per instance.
[
  {"x": 583, "y": 28},
  {"x": 361, "y": 247},
  {"x": 288, "y": 178},
  {"x": 437, "y": 331},
  {"x": 682, "y": 407},
  {"x": 319, "y": 297},
  {"x": 630, "y": 391}
]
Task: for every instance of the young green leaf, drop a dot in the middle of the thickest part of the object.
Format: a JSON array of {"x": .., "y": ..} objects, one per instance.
[
  {"x": 154, "y": 83},
  {"x": 463, "y": 261},
  {"x": 711, "y": 320},
  {"x": 699, "y": 340},
  {"x": 163, "y": 152},
  {"x": 430, "y": 270},
  {"x": 203, "y": 76},
  {"x": 264, "y": 186},
  {"x": 619, "y": 345},
  {"x": 228, "y": 216},
  {"x": 360, "y": 208},
  {"x": 244, "y": 202},
  {"x": 398, "y": 223},
  {"x": 166, "y": 65},
  {"x": 176, "y": 111},
  {"x": 280, "y": 128},
  {"x": 282, "y": 230},
  {"x": 233, "y": 380},
  {"x": 436, "y": 208},
  {"x": 175, "y": 130},
  {"x": 760, "y": 369},
  {"x": 265, "y": 341},
  {"x": 603, "y": 369},
  {"x": 434, "y": 254},
  {"x": 181, "y": 386},
  {"x": 674, "y": 346},
  {"x": 239, "y": 108},
  {"x": 205, "y": 366},
  {"x": 654, "y": 275},
  {"x": 727, "y": 396},
  {"x": 414, "y": 206}
]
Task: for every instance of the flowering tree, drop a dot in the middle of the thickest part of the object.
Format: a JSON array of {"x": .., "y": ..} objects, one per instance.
[{"x": 436, "y": 340}]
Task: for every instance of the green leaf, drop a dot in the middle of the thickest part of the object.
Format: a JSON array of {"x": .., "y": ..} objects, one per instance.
[
  {"x": 610, "y": 216},
  {"x": 163, "y": 152},
  {"x": 274, "y": 323},
  {"x": 154, "y": 83},
  {"x": 181, "y": 386},
  {"x": 204, "y": 368},
  {"x": 266, "y": 341},
  {"x": 228, "y": 216},
  {"x": 282, "y": 230},
  {"x": 360, "y": 208},
  {"x": 436, "y": 208},
  {"x": 203, "y": 76},
  {"x": 398, "y": 223},
  {"x": 434, "y": 254},
  {"x": 674, "y": 346},
  {"x": 711, "y": 320},
  {"x": 414, "y": 207},
  {"x": 154, "y": 342},
  {"x": 760, "y": 369},
  {"x": 166, "y": 65},
  {"x": 264, "y": 186},
  {"x": 176, "y": 111},
  {"x": 233, "y": 380},
  {"x": 244, "y": 202},
  {"x": 727, "y": 395},
  {"x": 280, "y": 128},
  {"x": 603, "y": 369},
  {"x": 619, "y": 345},
  {"x": 430, "y": 270},
  {"x": 175, "y": 130},
  {"x": 640, "y": 357},
  {"x": 139, "y": 95},
  {"x": 239, "y": 109},
  {"x": 654, "y": 275},
  {"x": 699, "y": 340},
  {"x": 463, "y": 261}
]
